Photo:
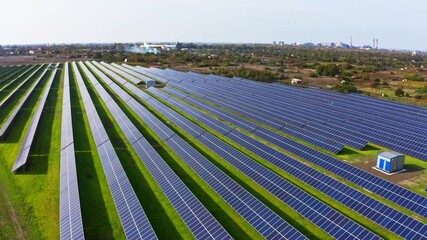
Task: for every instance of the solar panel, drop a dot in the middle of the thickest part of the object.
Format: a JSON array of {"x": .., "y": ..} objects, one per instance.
[
  {"x": 372, "y": 127},
  {"x": 134, "y": 221},
  {"x": 385, "y": 189},
  {"x": 271, "y": 181},
  {"x": 22, "y": 158},
  {"x": 408, "y": 199},
  {"x": 257, "y": 214},
  {"x": 119, "y": 71},
  {"x": 109, "y": 73},
  {"x": 18, "y": 107},
  {"x": 194, "y": 214},
  {"x": 71, "y": 225},
  {"x": 22, "y": 82},
  {"x": 11, "y": 78}
]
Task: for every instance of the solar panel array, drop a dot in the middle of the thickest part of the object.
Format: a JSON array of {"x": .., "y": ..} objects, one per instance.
[
  {"x": 263, "y": 219},
  {"x": 133, "y": 73},
  {"x": 5, "y": 126},
  {"x": 305, "y": 204},
  {"x": 131, "y": 70},
  {"x": 126, "y": 75},
  {"x": 71, "y": 224},
  {"x": 335, "y": 112},
  {"x": 24, "y": 151},
  {"x": 393, "y": 125},
  {"x": 198, "y": 219},
  {"x": 14, "y": 77},
  {"x": 282, "y": 118},
  {"x": 395, "y": 193},
  {"x": 134, "y": 221},
  {"x": 13, "y": 91},
  {"x": 388, "y": 190}
]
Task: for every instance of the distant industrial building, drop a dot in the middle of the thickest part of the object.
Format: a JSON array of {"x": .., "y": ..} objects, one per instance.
[{"x": 390, "y": 161}]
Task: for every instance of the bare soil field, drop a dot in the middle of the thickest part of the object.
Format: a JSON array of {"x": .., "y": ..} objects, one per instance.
[{"x": 413, "y": 173}]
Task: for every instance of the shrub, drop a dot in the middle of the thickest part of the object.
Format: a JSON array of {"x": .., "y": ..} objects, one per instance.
[
  {"x": 399, "y": 92},
  {"x": 313, "y": 75}
]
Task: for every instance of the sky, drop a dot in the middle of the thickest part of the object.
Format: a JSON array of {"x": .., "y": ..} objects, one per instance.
[{"x": 397, "y": 24}]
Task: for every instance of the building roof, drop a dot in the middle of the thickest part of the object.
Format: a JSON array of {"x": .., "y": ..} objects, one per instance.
[{"x": 390, "y": 154}]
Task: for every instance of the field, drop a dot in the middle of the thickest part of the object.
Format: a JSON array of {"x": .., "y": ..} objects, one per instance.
[{"x": 30, "y": 206}]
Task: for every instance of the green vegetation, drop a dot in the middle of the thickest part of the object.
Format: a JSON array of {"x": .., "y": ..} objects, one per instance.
[
  {"x": 30, "y": 195},
  {"x": 29, "y": 200}
]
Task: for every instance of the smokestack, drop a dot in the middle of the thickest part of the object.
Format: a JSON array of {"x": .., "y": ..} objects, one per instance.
[
  {"x": 351, "y": 42},
  {"x": 373, "y": 43},
  {"x": 376, "y": 44}
]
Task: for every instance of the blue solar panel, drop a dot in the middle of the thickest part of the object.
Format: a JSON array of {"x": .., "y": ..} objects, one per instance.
[
  {"x": 405, "y": 198},
  {"x": 315, "y": 179},
  {"x": 266, "y": 178},
  {"x": 134, "y": 221},
  {"x": 266, "y": 222},
  {"x": 71, "y": 225},
  {"x": 110, "y": 73},
  {"x": 119, "y": 70},
  {"x": 195, "y": 215}
]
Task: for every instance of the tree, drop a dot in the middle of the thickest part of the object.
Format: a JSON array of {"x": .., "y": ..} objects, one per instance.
[{"x": 399, "y": 92}]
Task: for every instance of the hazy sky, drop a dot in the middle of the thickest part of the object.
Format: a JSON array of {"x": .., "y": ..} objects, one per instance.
[{"x": 398, "y": 24}]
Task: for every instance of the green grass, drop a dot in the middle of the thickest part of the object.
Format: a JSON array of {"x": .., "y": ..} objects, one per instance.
[{"x": 31, "y": 192}]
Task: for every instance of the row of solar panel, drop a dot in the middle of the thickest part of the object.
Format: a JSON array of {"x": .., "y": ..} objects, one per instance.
[
  {"x": 390, "y": 191},
  {"x": 394, "y": 142},
  {"x": 384, "y": 194},
  {"x": 305, "y": 204},
  {"x": 70, "y": 217},
  {"x": 122, "y": 73},
  {"x": 265, "y": 221},
  {"x": 324, "y": 183},
  {"x": 268, "y": 114},
  {"x": 370, "y": 130},
  {"x": 11, "y": 78},
  {"x": 198, "y": 219},
  {"x": 341, "y": 108},
  {"x": 7, "y": 72},
  {"x": 421, "y": 212},
  {"x": 25, "y": 148},
  {"x": 343, "y": 125},
  {"x": 397, "y": 133},
  {"x": 133, "y": 218},
  {"x": 6, "y": 124},
  {"x": 296, "y": 132},
  {"x": 14, "y": 90}
]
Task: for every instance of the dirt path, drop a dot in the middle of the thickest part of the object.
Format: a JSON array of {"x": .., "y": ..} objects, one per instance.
[{"x": 12, "y": 216}]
